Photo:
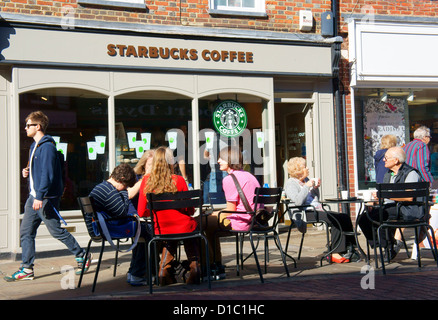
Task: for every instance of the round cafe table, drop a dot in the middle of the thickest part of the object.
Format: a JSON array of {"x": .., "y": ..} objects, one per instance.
[{"x": 348, "y": 202}]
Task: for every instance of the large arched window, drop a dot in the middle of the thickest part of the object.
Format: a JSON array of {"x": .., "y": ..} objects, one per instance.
[
  {"x": 211, "y": 141},
  {"x": 149, "y": 119},
  {"x": 78, "y": 121}
]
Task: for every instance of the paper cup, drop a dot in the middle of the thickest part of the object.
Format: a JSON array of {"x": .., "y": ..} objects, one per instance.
[
  {"x": 62, "y": 146},
  {"x": 91, "y": 148},
  {"x": 57, "y": 139},
  {"x": 260, "y": 135},
  {"x": 367, "y": 195},
  {"x": 132, "y": 138},
  {"x": 139, "y": 149},
  {"x": 100, "y": 140},
  {"x": 209, "y": 140},
  {"x": 146, "y": 139},
  {"x": 344, "y": 195},
  {"x": 172, "y": 138}
]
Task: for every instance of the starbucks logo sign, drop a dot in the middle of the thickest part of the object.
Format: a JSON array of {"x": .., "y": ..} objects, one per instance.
[{"x": 230, "y": 118}]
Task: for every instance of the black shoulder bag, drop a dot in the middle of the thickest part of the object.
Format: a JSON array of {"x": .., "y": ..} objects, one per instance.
[{"x": 262, "y": 216}]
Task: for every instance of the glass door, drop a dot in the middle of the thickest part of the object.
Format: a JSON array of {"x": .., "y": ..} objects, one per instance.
[{"x": 294, "y": 136}]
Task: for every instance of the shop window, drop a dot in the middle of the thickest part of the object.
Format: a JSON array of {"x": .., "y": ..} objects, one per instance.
[
  {"x": 238, "y": 7},
  {"x": 143, "y": 123},
  {"x": 212, "y": 141},
  {"x": 394, "y": 115},
  {"x": 76, "y": 118}
]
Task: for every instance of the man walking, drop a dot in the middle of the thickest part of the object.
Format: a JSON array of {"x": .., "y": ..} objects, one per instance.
[
  {"x": 45, "y": 190},
  {"x": 418, "y": 154}
]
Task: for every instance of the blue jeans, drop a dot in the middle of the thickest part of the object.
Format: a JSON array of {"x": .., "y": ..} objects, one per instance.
[
  {"x": 30, "y": 223},
  {"x": 138, "y": 265}
]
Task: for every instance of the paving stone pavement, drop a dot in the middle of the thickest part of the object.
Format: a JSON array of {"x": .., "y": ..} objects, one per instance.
[{"x": 309, "y": 281}]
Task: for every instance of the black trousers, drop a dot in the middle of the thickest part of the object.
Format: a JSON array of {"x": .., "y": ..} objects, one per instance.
[
  {"x": 389, "y": 213},
  {"x": 334, "y": 219}
]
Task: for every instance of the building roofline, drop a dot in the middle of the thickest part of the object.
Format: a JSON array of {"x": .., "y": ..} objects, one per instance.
[{"x": 169, "y": 30}]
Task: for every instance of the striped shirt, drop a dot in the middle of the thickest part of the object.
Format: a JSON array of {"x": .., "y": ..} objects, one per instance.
[
  {"x": 107, "y": 198},
  {"x": 418, "y": 157}
]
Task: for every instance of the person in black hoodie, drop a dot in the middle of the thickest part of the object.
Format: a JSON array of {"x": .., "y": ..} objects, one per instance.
[{"x": 45, "y": 190}]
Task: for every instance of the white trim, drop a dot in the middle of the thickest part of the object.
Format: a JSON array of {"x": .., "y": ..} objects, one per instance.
[
  {"x": 14, "y": 163},
  {"x": 259, "y": 8},
  {"x": 353, "y": 133},
  {"x": 119, "y": 3},
  {"x": 394, "y": 44}
]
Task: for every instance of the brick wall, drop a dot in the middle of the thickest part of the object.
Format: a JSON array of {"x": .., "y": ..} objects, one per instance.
[
  {"x": 415, "y": 8},
  {"x": 282, "y": 16}
]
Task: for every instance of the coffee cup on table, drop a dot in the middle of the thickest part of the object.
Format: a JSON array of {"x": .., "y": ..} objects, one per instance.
[
  {"x": 344, "y": 195},
  {"x": 367, "y": 195}
]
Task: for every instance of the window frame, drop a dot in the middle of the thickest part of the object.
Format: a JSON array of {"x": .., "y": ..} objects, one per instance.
[
  {"x": 258, "y": 11},
  {"x": 115, "y": 3}
]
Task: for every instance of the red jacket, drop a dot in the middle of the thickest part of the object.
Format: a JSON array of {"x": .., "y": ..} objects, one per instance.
[{"x": 168, "y": 221}]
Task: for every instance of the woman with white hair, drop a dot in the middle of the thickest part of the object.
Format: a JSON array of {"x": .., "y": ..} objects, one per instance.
[
  {"x": 304, "y": 191},
  {"x": 386, "y": 142}
]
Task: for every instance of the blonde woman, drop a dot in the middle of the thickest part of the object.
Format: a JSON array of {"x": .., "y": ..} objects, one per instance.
[
  {"x": 304, "y": 191},
  {"x": 160, "y": 180},
  {"x": 143, "y": 166},
  {"x": 386, "y": 142}
]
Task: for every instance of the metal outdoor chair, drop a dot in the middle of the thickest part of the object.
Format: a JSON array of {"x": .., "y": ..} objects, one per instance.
[
  {"x": 267, "y": 197},
  {"x": 419, "y": 192},
  {"x": 90, "y": 217},
  {"x": 303, "y": 210},
  {"x": 175, "y": 201}
]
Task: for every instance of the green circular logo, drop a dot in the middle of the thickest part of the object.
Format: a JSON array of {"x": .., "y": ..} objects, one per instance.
[{"x": 229, "y": 118}]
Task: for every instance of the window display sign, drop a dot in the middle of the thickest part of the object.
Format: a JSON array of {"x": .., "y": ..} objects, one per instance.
[{"x": 381, "y": 118}]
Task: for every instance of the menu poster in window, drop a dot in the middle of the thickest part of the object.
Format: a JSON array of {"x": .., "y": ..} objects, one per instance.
[{"x": 381, "y": 118}]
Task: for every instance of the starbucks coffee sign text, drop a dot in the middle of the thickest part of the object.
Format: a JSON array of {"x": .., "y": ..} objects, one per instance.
[{"x": 129, "y": 51}]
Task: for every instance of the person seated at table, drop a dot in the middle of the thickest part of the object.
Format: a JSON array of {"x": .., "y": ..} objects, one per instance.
[
  {"x": 304, "y": 191},
  {"x": 161, "y": 180},
  {"x": 398, "y": 172},
  {"x": 143, "y": 166},
  {"x": 387, "y": 141},
  {"x": 111, "y": 196},
  {"x": 230, "y": 161}
]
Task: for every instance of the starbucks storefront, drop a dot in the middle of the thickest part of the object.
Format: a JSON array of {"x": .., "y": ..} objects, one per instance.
[{"x": 111, "y": 97}]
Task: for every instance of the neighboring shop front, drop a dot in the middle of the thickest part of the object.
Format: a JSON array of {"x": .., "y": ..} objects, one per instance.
[
  {"x": 110, "y": 96},
  {"x": 394, "y": 82}
]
